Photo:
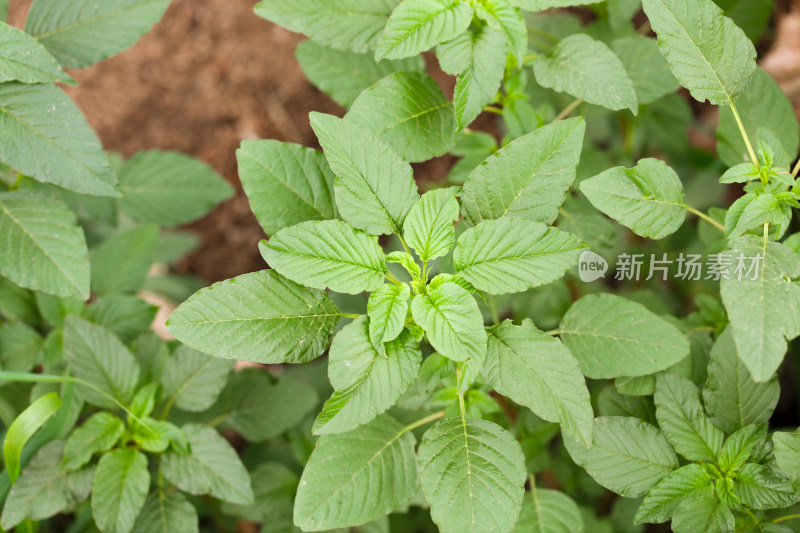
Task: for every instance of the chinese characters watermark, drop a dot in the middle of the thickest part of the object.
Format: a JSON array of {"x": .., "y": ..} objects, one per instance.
[{"x": 685, "y": 267}]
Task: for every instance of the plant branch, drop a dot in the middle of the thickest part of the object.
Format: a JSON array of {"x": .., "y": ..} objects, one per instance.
[
  {"x": 744, "y": 135},
  {"x": 569, "y": 109},
  {"x": 422, "y": 421},
  {"x": 796, "y": 169},
  {"x": 493, "y": 309},
  {"x": 704, "y": 217}
]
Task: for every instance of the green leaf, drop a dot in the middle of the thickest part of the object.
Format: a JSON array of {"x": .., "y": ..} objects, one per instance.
[
  {"x": 478, "y": 58},
  {"x": 387, "y": 309},
  {"x": 327, "y": 254},
  {"x": 260, "y": 409},
  {"x": 274, "y": 487},
  {"x": 121, "y": 263},
  {"x": 549, "y": 511},
  {"x": 96, "y": 356},
  {"x": 43, "y": 490},
  {"x": 787, "y": 455},
  {"x": 366, "y": 382},
  {"x": 627, "y": 455},
  {"x": 25, "y": 60},
  {"x": 45, "y": 248},
  {"x": 759, "y": 332},
  {"x": 167, "y": 512},
  {"x": 80, "y": 33},
  {"x": 452, "y": 321},
  {"x": 352, "y": 25},
  {"x": 23, "y": 428},
  {"x": 510, "y": 255},
  {"x": 750, "y": 15},
  {"x": 647, "y": 198},
  {"x": 541, "y": 5},
  {"x": 97, "y": 435},
  {"x": 213, "y": 467},
  {"x": 587, "y": 69},
  {"x": 703, "y": 514},
  {"x": 738, "y": 448},
  {"x": 193, "y": 380},
  {"x": 20, "y": 346},
  {"x": 762, "y": 105},
  {"x": 759, "y": 487},
  {"x": 410, "y": 113},
  {"x": 706, "y": 51},
  {"x": 473, "y": 475},
  {"x": 375, "y": 474},
  {"x": 418, "y": 25},
  {"x": 260, "y": 317},
  {"x": 429, "y": 227},
  {"x": 534, "y": 369},
  {"x": 286, "y": 183},
  {"x": 501, "y": 16},
  {"x": 344, "y": 75},
  {"x": 683, "y": 421},
  {"x": 374, "y": 187},
  {"x": 124, "y": 315},
  {"x": 733, "y": 400},
  {"x": 529, "y": 178},
  {"x": 750, "y": 212},
  {"x": 686, "y": 483},
  {"x": 119, "y": 490},
  {"x": 646, "y": 67},
  {"x": 170, "y": 189},
  {"x": 613, "y": 337}
]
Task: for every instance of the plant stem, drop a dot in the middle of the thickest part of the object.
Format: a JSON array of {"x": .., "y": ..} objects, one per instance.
[
  {"x": 391, "y": 277},
  {"x": 403, "y": 242},
  {"x": 796, "y": 169},
  {"x": 493, "y": 309},
  {"x": 744, "y": 135},
  {"x": 554, "y": 332},
  {"x": 785, "y": 518},
  {"x": 423, "y": 421},
  {"x": 494, "y": 110},
  {"x": 350, "y": 315},
  {"x": 704, "y": 217},
  {"x": 461, "y": 397},
  {"x": 569, "y": 109}
]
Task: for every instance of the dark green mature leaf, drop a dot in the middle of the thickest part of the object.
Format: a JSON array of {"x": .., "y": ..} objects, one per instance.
[
  {"x": 534, "y": 369},
  {"x": 44, "y": 249},
  {"x": 121, "y": 263},
  {"x": 193, "y": 380},
  {"x": 473, "y": 476},
  {"x": 387, "y": 309},
  {"x": 96, "y": 356},
  {"x": 752, "y": 16},
  {"x": 627, "y": 455},
  {"x": 43, "y": 490},
  {"x": 80, "y": 33},
  {"x": 376, "y": 473},
  {"x": 429, "y": 227},
  {"x": 787, "y": 455},
  {"x": 212, "y": 467},
  {"x": 124, "y": 315},
  {"x": 25, "y": 60},
  {"x": 352, "y": 25},
  {"x": 327, "y": 254},
  {"x": 120, "y": 487},
  {"x": 706, "y": 51},
  {"x": 761, "y": 334},
  {"x": 375, "y": 188},
  {"x": 260, "y": 409},
  {"x": 167, "y": 512},
  {"x": 587, "y": 69},
  {"x": 683, "y": 421},
  {"x": 703, "y": 514},
  {"x": 529, "y": 178},
  {"x": 687, "y": 482},
  {"x": 511, "y": 255},
  {"x": 20, "y": 346},
  {"x": 646, "y": 67},
  {"x": 549, "y": 511},
  {"x": 285, "y": 183},
  {"x": 410, "y": 113},
  {"x": 344, "y": 75},
  {"x": 97, "y": 435},
  {"x": 478, "y": 58},
  {"x": 274, "y": 487},
  {"x": 614, "y": 337},
  {"x": 647, "y": 198},
  {"x": 731, "y": 397},
  {"x": 260, "y": 317},
  {"x": 366, "y": 382},
  {"x": 170, "y": 189},
  {"x": 759, "y": 487},
  {"x": 452, "y": 321},
  {"x": 418, "y": 25},
  {"x": 762, "y": 105}
]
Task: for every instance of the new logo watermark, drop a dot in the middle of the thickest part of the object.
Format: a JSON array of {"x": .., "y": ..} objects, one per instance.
[{"x": 591, "y": 266}]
